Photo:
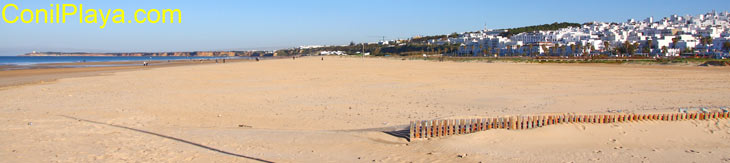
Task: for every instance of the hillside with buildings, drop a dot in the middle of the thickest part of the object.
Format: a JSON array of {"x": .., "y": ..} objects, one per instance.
[{"x": 706, "y": 35}]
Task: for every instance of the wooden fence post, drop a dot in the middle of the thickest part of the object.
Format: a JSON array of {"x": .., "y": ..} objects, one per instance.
[
  {"x": 641, "y": 117},
  {"x": 530, "y": 122},
  {"x": 601, "y": 118},
  {"x": 447, "y": 126},
  {"x": 411, "y": 131},
  {"x": 474, "y": 125},
  {"x": 677, "y": 116},
  {"x": 462, "y": 126},
  {"x": 428, "y": 129},
  {"x": 498, "y": 124},
  {"x": 435, "y": 128},
  {"x": 477, "y": 124},
  {"x": 469, "y": 126},
  {"x": 551, "y": 119},
  {"x": 485, "y": 124},
  {"x": 512, "y": 123},
  {"x": 522, "y": 122},
  {"x": 416, "y": 130},
  {"x": 458, "y": 126},
  {"x": 490, "y": 123},
  {"x": 453, "y": 126},
  {"x": 422, "y": 127}
]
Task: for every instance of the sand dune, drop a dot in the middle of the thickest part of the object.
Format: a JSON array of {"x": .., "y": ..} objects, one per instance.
[{"x": 309, "y": 110}]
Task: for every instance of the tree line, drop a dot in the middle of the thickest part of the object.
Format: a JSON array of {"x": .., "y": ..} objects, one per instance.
[{"x": 545, "y": 27}]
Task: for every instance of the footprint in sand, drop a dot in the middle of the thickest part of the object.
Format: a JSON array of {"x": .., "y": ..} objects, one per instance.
[{"x": 612, "y": 140}]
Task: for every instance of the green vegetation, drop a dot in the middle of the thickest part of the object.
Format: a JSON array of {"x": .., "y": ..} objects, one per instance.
[
  {"x": 544, "y": 27},
  {"x": 408, "y": 48}
]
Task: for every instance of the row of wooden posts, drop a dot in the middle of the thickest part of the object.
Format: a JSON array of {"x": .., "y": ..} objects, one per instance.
[{"x": 438, "y": 128}]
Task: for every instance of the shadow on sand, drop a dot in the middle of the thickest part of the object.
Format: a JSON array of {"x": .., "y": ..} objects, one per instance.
[
  {"x": 171, "y": 138},
  {"x": 399, "y": 131},
  {"x": 404, "y": 133}
]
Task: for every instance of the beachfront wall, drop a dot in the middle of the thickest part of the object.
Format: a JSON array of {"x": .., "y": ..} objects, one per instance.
[{"x": 438, "y": 128}]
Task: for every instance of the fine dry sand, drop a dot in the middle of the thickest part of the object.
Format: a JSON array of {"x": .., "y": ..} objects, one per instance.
[{"x": 309, "y": 110}]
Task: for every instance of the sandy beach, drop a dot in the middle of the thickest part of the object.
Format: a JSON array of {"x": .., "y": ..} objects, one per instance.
[
  {"x": 341, "y": 109},
  {"x": 17, "y": 75}
]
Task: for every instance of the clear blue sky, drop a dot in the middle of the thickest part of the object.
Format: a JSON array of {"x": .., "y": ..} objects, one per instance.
[{"x": 271, "y": 24}]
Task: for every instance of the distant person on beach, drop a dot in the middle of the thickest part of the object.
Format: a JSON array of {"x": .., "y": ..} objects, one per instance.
[
  {"x": 293, "y": 58},
  {"x": 144, "y": 63},
  {"x": 323, "y": 58},
  {"x": 257, "y": 59}
]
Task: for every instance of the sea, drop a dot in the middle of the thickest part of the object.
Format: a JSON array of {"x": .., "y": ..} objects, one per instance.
[{"x": 32, "y": 60}]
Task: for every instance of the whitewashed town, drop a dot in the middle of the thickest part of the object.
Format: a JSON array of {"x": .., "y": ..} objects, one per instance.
[{"x": 706, "y": 35}]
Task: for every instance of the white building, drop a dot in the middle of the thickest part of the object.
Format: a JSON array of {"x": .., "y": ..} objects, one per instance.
[{"x": 675, "y": 33}]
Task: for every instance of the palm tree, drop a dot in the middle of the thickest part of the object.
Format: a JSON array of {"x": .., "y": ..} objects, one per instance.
[
  {"x": 636, "y": 45},
  {"x": 482, "y": 49},
  {"x": 647, "y": 48},
  {"x": 628, "y": 46},
  {"x": 572, "y": 49}
]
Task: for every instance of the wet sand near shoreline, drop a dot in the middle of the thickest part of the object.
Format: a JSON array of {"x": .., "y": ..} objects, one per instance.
[
  {"x": 336, "y": 109},
  {"x": 12, "y": 75}
]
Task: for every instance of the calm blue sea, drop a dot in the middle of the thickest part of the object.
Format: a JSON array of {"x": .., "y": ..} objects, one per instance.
[{"x": 30, "y": 60}]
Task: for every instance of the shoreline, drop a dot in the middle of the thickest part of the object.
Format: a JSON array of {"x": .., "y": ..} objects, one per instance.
[{"x": 15, "y": 76}]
